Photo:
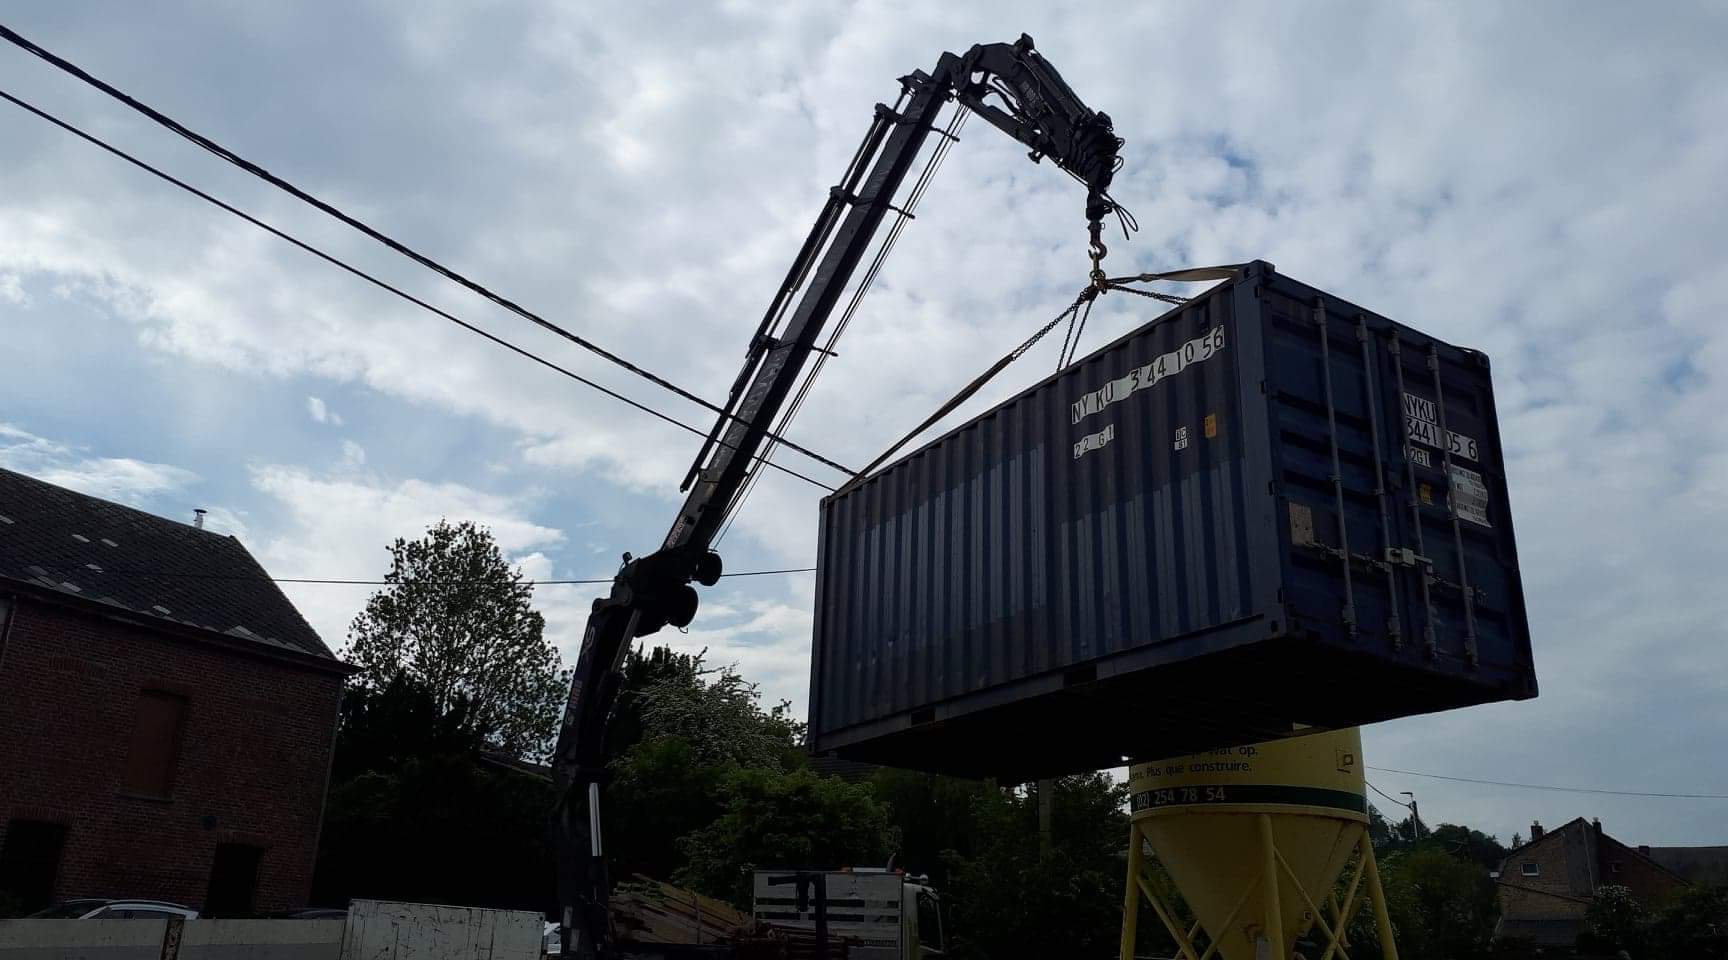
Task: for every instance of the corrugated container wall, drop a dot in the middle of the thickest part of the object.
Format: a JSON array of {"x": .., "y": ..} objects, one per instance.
[{"x": 1266, "y": 511}]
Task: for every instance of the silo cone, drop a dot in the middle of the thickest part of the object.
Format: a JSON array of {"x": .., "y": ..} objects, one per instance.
[{"x": 1255, "y": 839}]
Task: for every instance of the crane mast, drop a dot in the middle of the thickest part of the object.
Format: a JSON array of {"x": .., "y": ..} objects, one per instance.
[{"x": 1018, "y": 92}]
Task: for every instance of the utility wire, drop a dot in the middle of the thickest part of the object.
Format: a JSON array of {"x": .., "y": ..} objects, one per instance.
[
  {"x": 369, "y": 278},
  {"x": 1388, "y": 796},
  {"x": 1540, "y": 786},
  {"x": 252, "y": 168},
  {"x": 240, "y": 577}
]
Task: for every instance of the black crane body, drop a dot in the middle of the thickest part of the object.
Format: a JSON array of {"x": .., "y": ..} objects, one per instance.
[{"x": 1036, "y": 108}]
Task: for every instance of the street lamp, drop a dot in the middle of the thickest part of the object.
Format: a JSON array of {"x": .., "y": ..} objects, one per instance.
[{"x": 1415, "y": 818}]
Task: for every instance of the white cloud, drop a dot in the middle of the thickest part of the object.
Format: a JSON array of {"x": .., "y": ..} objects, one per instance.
[
  {"x": 12, "y": 290},
  {"x": 338, "y": 527},
  {"x": 121, "y": 479},
  {"x": 320, "y": 412},
  {"x": 227, "y": 521}
]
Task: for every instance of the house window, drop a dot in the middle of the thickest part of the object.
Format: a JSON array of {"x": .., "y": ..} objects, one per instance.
[
  {"x": 30, "y": 862},
  {"x": 1531, "y": 868},
  {"x": 155, "y": 744},
  {"x": 1614, "y": 867}
]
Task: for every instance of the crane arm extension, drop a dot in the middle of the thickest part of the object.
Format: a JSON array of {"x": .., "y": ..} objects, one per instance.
[{"x": 1039, "y": 110}]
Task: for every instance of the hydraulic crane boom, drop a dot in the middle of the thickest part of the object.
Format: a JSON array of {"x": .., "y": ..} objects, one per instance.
[{"x": 1013, "y": 88}]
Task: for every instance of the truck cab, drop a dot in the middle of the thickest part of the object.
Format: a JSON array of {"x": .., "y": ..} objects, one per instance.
[{"x": 884, "y": 914}]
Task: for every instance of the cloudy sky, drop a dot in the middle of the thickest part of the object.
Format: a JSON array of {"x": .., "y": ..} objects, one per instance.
[{"x": 1542, "y": 181}]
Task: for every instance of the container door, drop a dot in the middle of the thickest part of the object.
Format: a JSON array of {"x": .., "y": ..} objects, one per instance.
[{"x": 1391, "y": 469}]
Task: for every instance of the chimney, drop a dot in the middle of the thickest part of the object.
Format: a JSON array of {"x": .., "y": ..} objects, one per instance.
[
  {"x": 198, "y": 517},
  {"x": 1596, "y": 825},
  {"x": 1535, "y": 830}
]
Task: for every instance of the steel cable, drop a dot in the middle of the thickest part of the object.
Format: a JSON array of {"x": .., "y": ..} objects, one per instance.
[
  {"x": 369, "y": 278},
  {"x": 254, "y": 169}
]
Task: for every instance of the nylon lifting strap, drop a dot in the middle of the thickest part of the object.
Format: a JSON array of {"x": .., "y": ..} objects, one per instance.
[{"x": 1091, "y": 292}]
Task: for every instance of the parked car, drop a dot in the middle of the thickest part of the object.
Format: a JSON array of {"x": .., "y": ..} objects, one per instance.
[
  {"x": 308, "y": 913},
  {"x": 98, "y": 909}
]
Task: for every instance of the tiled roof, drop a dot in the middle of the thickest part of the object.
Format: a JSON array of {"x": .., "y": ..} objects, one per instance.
[
  {"x": 1697, "y": 864},
  {"x": 1542, "y": 931},
  {"x": 87, "y": 547}
]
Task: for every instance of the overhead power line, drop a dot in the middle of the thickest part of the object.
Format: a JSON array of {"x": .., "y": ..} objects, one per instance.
[
  {"x": 241, "y": 577},
  {"x": 1540, "y": 786},
  {"x": 260, "y": 172},
  {"x": 381, "y": 284},
  {"x": 1388, "y": 796}
]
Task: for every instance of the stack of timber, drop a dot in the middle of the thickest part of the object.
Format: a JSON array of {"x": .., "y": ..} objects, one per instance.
[{"x": 648, "y": 911}]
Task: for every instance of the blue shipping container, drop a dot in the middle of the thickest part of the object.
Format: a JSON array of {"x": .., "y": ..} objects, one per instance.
[{"x": 1266, "y": 511}]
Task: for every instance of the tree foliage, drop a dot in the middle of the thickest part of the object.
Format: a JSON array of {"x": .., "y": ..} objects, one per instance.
[
  {"x": 683, "y": 733},
  {"x": 719, "y": 714},
  {"x": 934, "y": 817},
  {"x": 1473, "y": 845},
  {"x": 415, "y": 813},
  {"x": 1442, "y": 904},
  {"x": 1693, "y": 924},
  {"x": 458, "y": 620},
  {"x": 1616, "y": 920},
  {"x": 773, "y": 818},
  {"x": 1011, "y": 899}
]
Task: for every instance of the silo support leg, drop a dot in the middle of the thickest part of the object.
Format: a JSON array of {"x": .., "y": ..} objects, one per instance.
[
  {"x": 1272, "y": 931},
  {"x": 1332, "y": 939},
  {"x": 1138, "y": 888},
  {"x": 1345, "y": 910},
  {"x": 1377, "y": 895},
  {"x": 1185, "y": 944},
  {"x": 1131, "y": 893}
]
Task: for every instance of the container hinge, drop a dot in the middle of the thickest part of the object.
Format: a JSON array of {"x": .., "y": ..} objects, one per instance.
[
  {"x": 1371, "y": 562},
  {"x": 1406, "y": 557}
]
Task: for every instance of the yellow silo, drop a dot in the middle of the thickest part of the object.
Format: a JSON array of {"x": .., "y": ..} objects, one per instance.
[{"x": 1255, "y": 837}]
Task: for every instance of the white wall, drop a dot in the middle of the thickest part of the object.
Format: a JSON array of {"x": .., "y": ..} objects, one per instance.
[
  {"x": 386, "y": 930},
  {"x": 374, "y": 930}
]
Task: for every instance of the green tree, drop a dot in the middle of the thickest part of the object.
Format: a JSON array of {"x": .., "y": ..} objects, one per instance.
[
  {"x": 1012, "y": 900},
  {"x": 720, "y": 715},
  {"x": 772, "y": 818},
  {"x": 1694, "y": 924},
  {"x": 661, "y": 792},
  {"x": 644, "y": 669},
  {"x": 457, "y": 619},
  {"x": 682, "y": 732},
  {"x": 933, "y": 816},
  {"x": 416, "y": 813},
  {"x": 1473, "y": 845},
  {"x": 383, "y": 727},
  {"x": 1616, "y": 920},
  {"x": 1443, "y": 906}
]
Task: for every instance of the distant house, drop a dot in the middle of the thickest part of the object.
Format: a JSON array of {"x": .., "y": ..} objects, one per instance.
[
  {"x": 1702, "y": 865},
  {"x": 1547, "y": 885},
  {"x": 166, "y": 715}
]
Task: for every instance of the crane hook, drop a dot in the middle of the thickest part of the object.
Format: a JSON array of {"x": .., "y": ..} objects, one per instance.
[{"x": 1097, "y": 250}]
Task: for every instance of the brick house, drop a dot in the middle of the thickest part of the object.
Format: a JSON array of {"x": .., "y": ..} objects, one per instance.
[
  {"x": 1546, "y": 886},
  {"x": 166, "y": 716}
]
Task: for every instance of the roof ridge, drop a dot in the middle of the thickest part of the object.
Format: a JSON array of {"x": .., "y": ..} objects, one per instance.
[{"x": 84, "y": 545}]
